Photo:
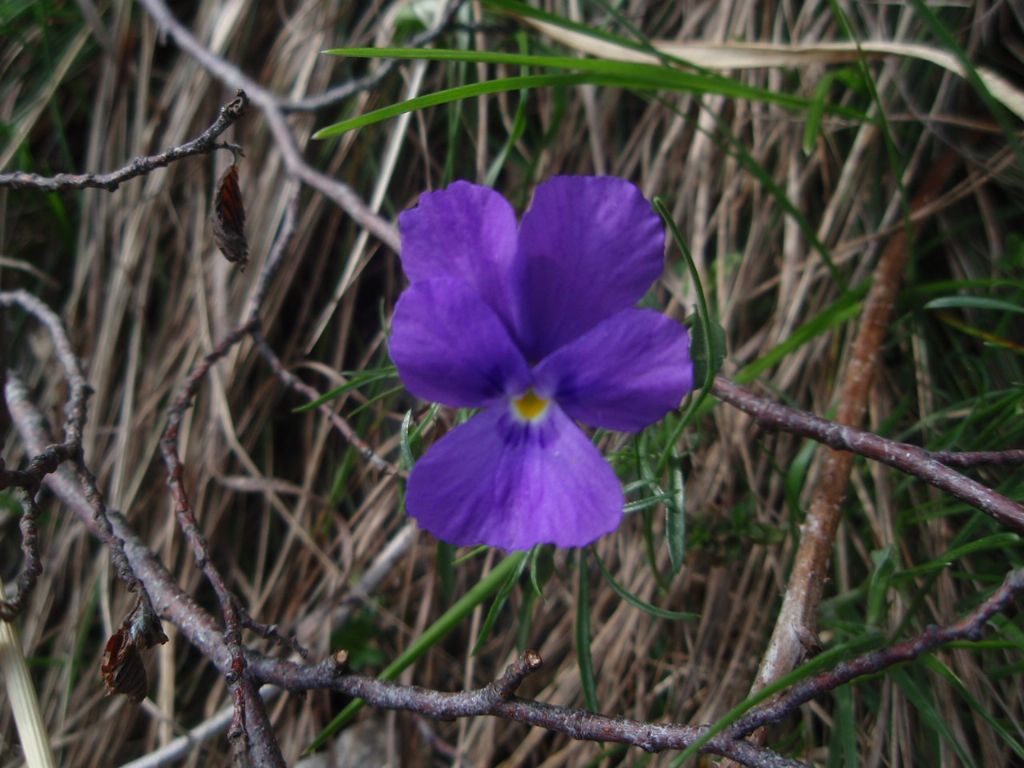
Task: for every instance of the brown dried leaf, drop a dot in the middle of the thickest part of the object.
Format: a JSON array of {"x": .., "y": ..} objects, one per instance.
[
  {"x": 122, "y": 669},
  {"x": 228, "y": 218}
]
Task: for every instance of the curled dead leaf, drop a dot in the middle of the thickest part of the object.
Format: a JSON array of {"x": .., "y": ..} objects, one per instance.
[
  {"x": 228, "y": 218},
  {"x": 122, "y": 669}
]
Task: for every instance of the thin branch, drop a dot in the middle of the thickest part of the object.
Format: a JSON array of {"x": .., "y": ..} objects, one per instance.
[
  {"x": 903, "y": 456},
  {"x": 247, "y": 725},
  {"x": 294, "y": 382},
  {"x": 31, "y": 567},
  {"x": 50, "y": 457},
  {"x": 497, "y": 700},
  {"x": 270, "y": 105},
  {"x": 140, "y": 166},
  {"x": 969, "y": 459},
  {"x": 168, "y": 599},
  {"x": 971, "y": 627}
]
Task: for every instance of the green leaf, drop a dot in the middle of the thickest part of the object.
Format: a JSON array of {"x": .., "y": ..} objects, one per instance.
[
  {"x": 707, "y": 348},
  {"x": 497, "y": 605},
  {"x": 636, "y": 602},
  {"x": 999, "y": 542},
  {"x": 582, "y": 632},
  {"x": 812, "y": 122},
  {"x": 637, "y": 79},
  {"x": 878, "y": 586},
  {"x": 356, "y": 380},
  {"x": 981, "y": 710},
  {"x": 405, "y": 449},
  {"x": 929, "y": 717},
  {"x": 843, "y": 752},
  {"x": 518, "y": 125},
  {"x": 675, "y": 518},
  {"x": 642, "y": 75},
  {"x": 974, "y": 302},
  {"x": 445, "y": 560},
  {"x": 542, "y": 566},
  {"x": 705, "y": 342}
]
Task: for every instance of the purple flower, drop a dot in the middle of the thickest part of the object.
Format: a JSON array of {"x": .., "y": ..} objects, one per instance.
[{"x": 535, "y": 325}]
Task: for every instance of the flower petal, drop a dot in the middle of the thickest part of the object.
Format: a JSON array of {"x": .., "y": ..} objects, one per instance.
[
  {"x": 512, "y": 485},
  {"x": 624, "y": 374},
  {"x": 467, "y": 232},
  {"x": 591, "y": 246},
  {"x": 450, "y": 347}
]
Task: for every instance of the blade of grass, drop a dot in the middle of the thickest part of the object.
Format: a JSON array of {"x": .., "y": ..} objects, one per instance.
[
  {"x": 499, "y": 602},
  {"x": 636, "y": 602},
  {"x": 450, "y": 619},
  {"x": 584, "y": 657}
]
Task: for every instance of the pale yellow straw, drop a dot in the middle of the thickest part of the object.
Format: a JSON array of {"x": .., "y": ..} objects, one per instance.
[{"x": 28, "y": 718}]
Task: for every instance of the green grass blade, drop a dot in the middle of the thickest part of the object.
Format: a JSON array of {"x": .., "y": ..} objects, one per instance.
[
  {"x": 929, "y": 718},
  {"x": 636, "y": 602},
  {"x": 358, "y": 379},
  {"x": 582, "y": 633},
  {"x": 974, "y": 302},
  {"x": 430, "y": 637},
  {"x": 675, "y": 517},
  {"x": 708, "y": 336},
  {"x": 498, "y": 604}
]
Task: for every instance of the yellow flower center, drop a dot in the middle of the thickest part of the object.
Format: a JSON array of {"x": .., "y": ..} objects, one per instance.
[{"x": 530, "y": 407}]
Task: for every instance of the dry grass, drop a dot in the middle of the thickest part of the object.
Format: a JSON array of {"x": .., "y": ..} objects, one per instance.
[{"x": 294, "y": 517}]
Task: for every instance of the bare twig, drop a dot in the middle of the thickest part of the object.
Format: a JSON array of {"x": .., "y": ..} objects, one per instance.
[
  {"x": 497, "y": 700},
  {"x": 50, "y": 457},
  {"x": 140, "y": 166},
  {"x": 270, "y": 105},
  {"x": 246, "y": 726},
  {"x": 968, "y": 459},
  {"x": 293, "y": 381},
  {"x": 904, "y": 457},
  {"x": 31, "y": 567},
  {"x": 970, "y": 627},
  {"x": 168, "y": 599}
]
